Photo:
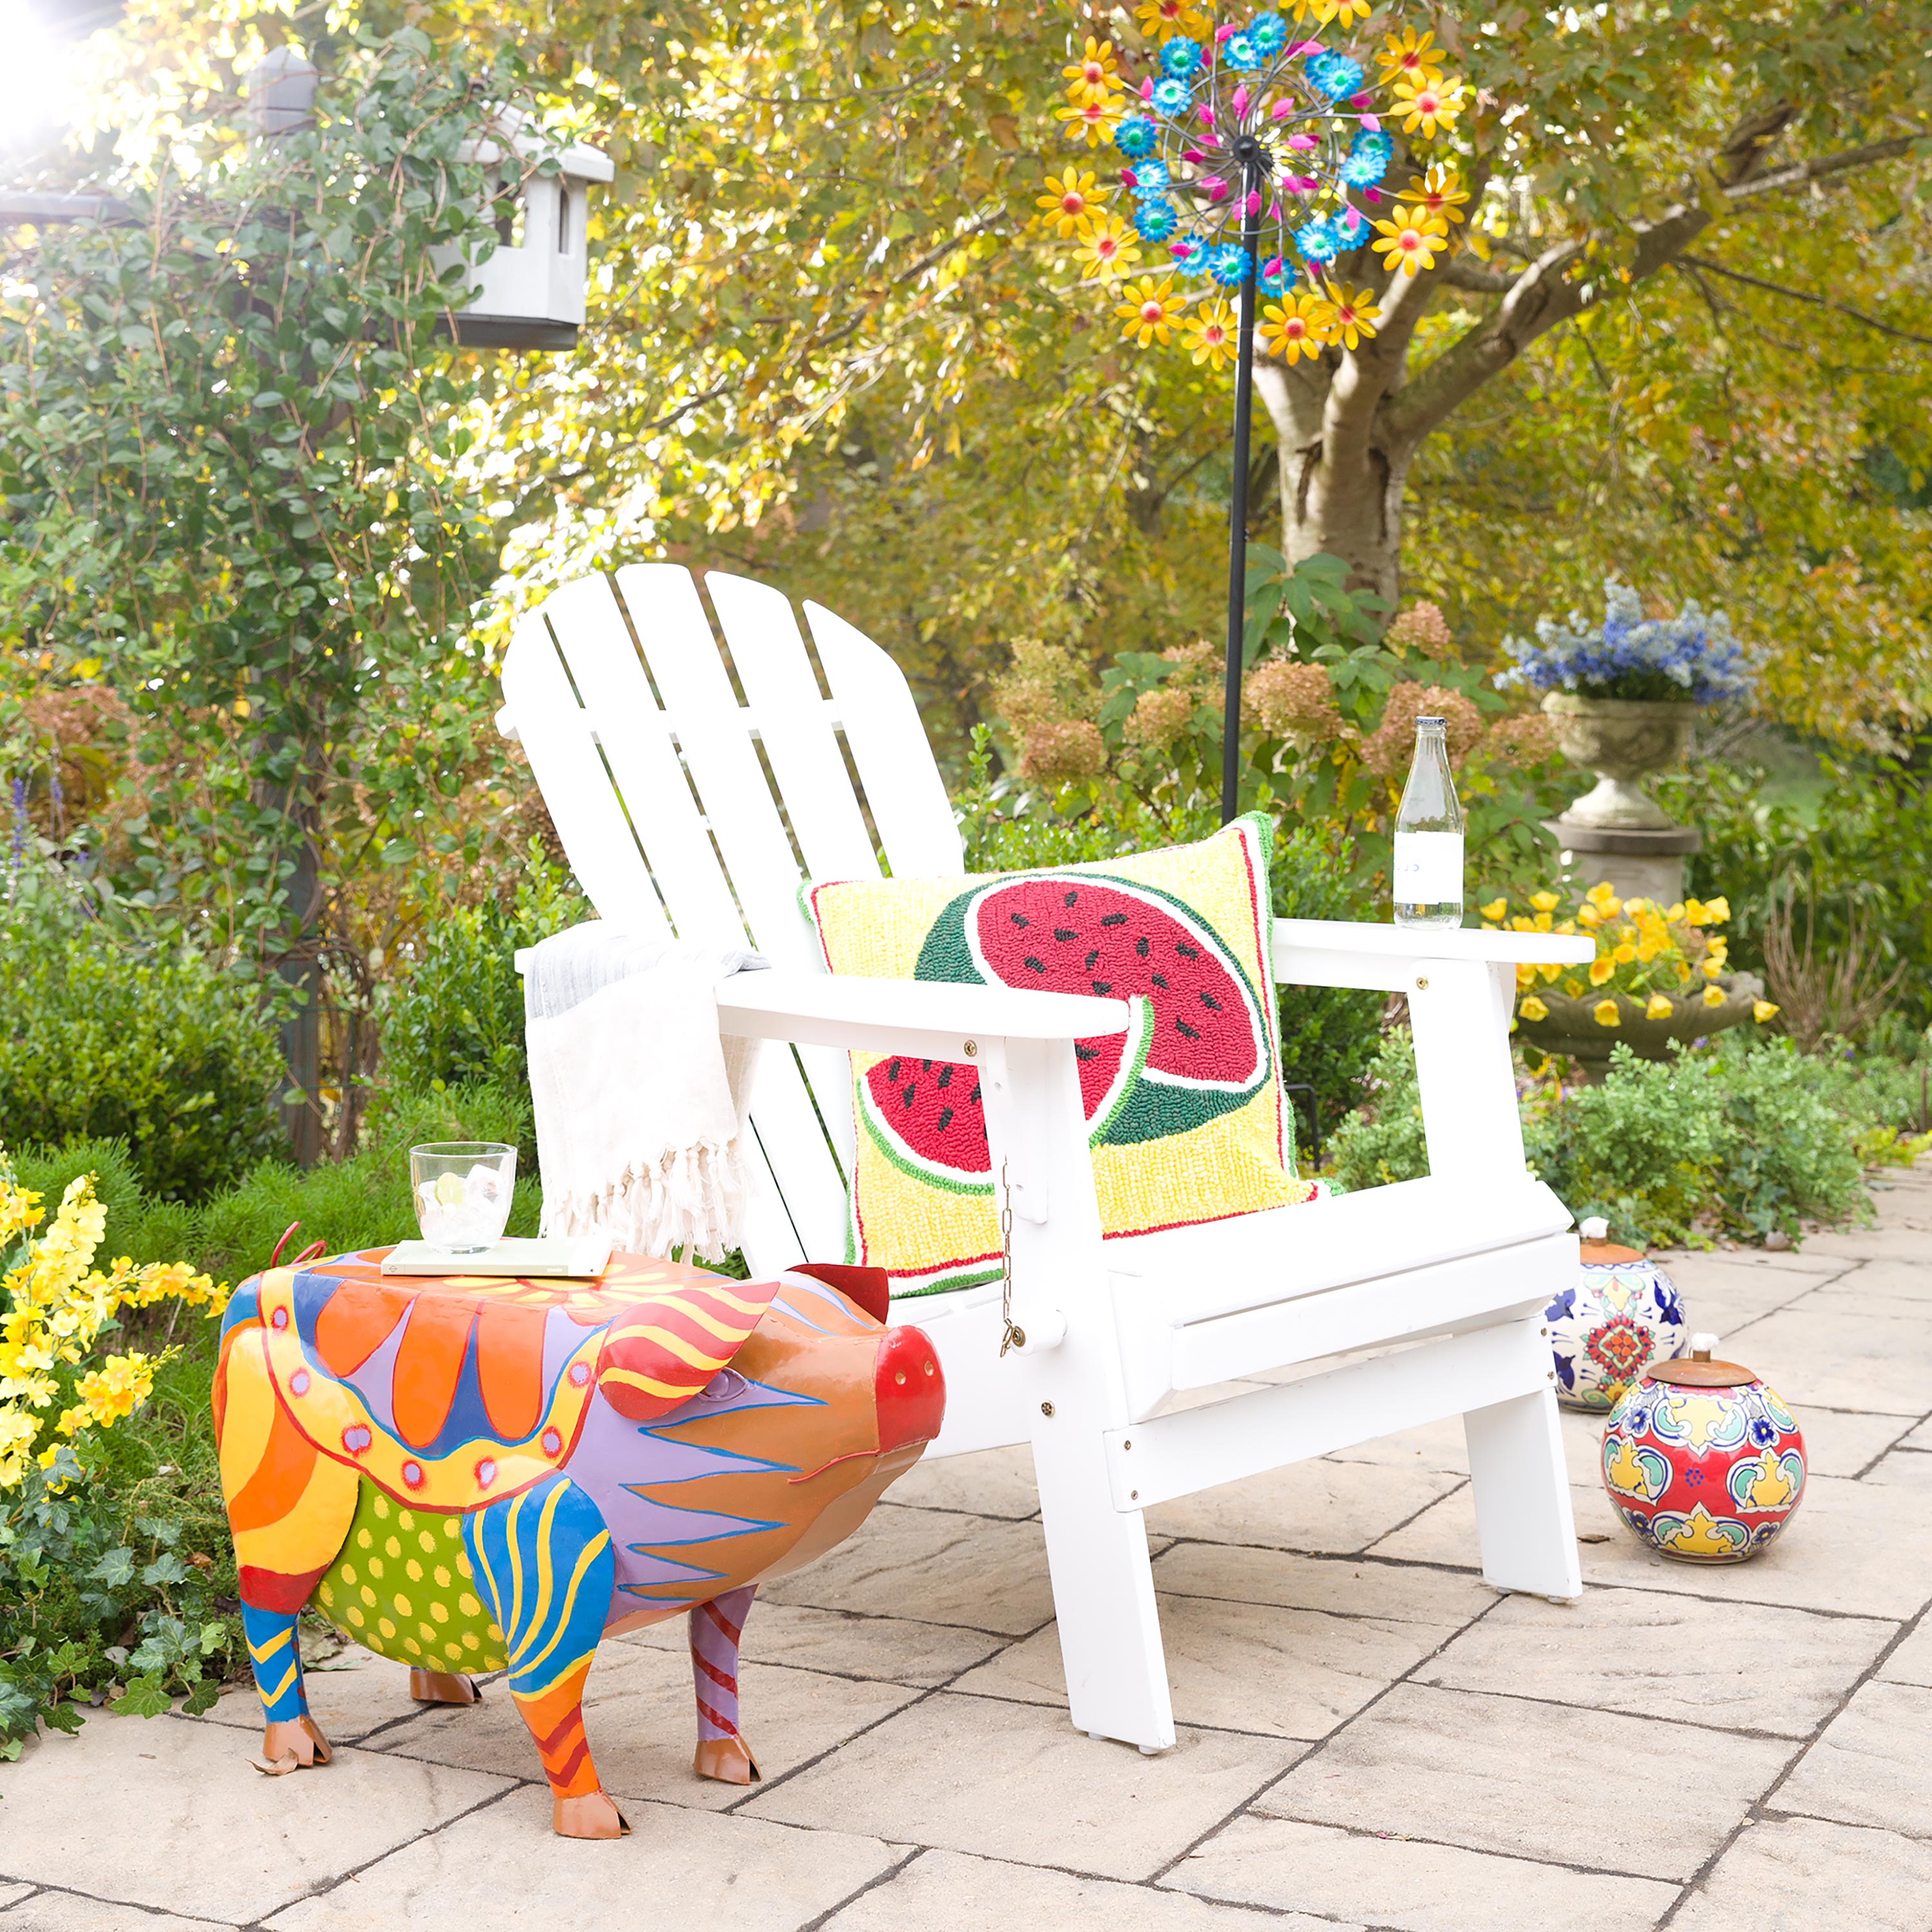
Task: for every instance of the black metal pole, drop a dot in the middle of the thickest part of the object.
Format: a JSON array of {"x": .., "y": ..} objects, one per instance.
[{"x": 1238, "y": 507}]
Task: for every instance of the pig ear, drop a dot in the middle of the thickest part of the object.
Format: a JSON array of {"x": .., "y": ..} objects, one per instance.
[
  {"x": 870, "y": 1288},
  {"x": 662, "y": 1350}
]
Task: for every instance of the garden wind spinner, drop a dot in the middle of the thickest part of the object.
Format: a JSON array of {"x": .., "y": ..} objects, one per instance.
[{"x": 1236, "y": 135}]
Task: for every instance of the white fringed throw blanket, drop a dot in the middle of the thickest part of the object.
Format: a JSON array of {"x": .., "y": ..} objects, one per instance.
[{"x": 639, "y": 1101}]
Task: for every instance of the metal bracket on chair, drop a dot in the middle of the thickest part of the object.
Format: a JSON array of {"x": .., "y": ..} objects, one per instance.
[{"x": 1018, "y": 1129}]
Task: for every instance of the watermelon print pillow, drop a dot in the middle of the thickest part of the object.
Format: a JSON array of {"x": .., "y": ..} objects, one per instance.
[{"x": 1184, "y": 1111}]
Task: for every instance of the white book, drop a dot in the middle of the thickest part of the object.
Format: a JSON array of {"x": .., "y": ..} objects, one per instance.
[{"x": 549, "y": 1257}]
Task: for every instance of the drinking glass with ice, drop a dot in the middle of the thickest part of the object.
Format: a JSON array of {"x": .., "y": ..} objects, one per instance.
[{"x": 462, "y": 1193}]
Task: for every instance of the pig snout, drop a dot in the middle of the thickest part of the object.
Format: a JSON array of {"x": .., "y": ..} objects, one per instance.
[{"x": 911, "y": 1388}]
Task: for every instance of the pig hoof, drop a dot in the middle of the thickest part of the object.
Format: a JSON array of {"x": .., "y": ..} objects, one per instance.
[
  {"x": 593, "y": 1816},
  {"x": 727, "y": 1759},
  {"x": 443, "y": 1687},
  {"x": 293, "y": 1744}
]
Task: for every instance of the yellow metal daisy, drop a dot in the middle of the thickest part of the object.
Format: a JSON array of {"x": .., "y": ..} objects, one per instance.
[
  {"x": 1411, "y": 241},
  {"x": 1298, "y": 325},
  {"x": 1095, "y": 76},
  {"x": 1356, "y": 313},
  {"x": 1151, "y": 312},
  {"x": 1162, "y": 20},
  {"x": 1210, "y": 336},
  {"x": 1107, "y": 248},
  {"x": 1410, "y": 53},
  {"x": 1092, "y": 121},
  {"x": 1440, "y": 193},
  {"x": 1427, "y": 103},
  {"x": 1068, "y": 197}
]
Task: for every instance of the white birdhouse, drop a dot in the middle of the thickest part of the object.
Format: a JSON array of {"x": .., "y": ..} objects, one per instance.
[{"x": 530, "y": 289}]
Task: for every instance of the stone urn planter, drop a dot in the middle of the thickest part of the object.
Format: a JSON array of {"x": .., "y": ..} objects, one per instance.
[
  {"x": 1571, "y": 1027},
  {"x": 1618, "y": 831}
]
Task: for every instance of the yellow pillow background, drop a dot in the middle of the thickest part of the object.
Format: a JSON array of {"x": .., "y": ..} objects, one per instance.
[{"x": 933, "y": 1236}]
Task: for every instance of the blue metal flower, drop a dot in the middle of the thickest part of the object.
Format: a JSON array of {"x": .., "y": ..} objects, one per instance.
[
  {"x": 1228, "y": 264},
  {"x": 1156, "y": 218},
  {"x": 1171, "y": 96},
  {"x": 1333, "y": 74},
  {"x": 1136, "y": 136},
  {"x": 1240, "y": 54},
  {"x": 1317, "y": 240},
  {"x": 1180, "y": 58},
  {"x": 1269, "y": 32},
  {"x": 1274, "y": 278},
  {"x": 1190, "y": 256},
  {"x": 1368, "y": 160},
  {"x": 1151, "y": 175}
]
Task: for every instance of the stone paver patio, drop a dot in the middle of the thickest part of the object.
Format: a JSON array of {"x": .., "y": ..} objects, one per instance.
[{"x": 1369, "y": 1737}]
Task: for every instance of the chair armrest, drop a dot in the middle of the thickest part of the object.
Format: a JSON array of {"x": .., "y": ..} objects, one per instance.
[
  {"x": 934, "y": 1019},
  {"x": 1354, "y": 953}
]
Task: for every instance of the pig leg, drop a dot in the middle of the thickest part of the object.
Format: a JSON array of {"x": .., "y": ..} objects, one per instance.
[
  {"x": 544, "y": 1560},
  {"x": 716, "y": 1628}
]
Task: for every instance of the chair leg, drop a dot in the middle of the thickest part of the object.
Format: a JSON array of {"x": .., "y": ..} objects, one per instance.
[
  {"x": 1102, "y": 1594},
  {"x": 1524, "y": 1526}
]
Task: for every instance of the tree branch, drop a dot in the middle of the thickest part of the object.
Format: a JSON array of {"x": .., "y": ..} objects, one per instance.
[
  {"x": 1462, "y": 271},
  {"x": 1801, "y": 172},
  {"x": 1799, "y": 295}
]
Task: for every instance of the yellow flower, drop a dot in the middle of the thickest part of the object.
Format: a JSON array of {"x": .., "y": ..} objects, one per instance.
[
  {"x": 1409, "y": 53},
  {"x": 1549, "y": 973},
  {"x": 1675, "y": 913},
  {"x": 1095, "y": 75},
  {"x": 1151, "y": 312},
  {"x": 1440, "y": 193},
  {"x": 1525, "y": 976},
  {"x": 1711, "y": 968},
  {"x": 1356, "y": 313},
  {"x": 1588, "y": 915},
  {"x": 1761, "y": 1010},
  {"x": 1494, "y": 909},
  {"x": 1428, "y": 102},
  {"x": 1574, "y": 988},
  {"x": 1718, "y": 949},
  {"x": 1298, "y": 325},
  {"x": 1211, "y": 335},
  {"x": 1411, "y": 241},
  {"x": 1545, "y": 901},
  {"x": 1603, "y": 896},
  {"x": 1093, "y": 120},
  {"x": 1647, "y": 952},
  {"x": 1625, "y": 953},
  {"x": 1533, "y": 1009},
  {"x": 1325, "y": 11},
  {"x": 1602, "y": 970},
  {"x": 1543, "y": 922},
  {"x": 1660, "y": 1007},
  {"x": 1162, "y": 20},
  {"x": 1107, "y": 248},
  {"x": 1604, "y": 1012},
  {"x": 1693, "y": 912},
  {"x": 1714, "y": 996},
  {"x": 1632, "y": 906},
  {"x": 1716, "y": 911},
  {"x": 1068, "y": 198}
]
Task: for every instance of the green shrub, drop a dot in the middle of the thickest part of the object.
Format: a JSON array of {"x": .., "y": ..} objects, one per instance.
[
  {"x": 104, "y": 1037},
  {"x": 459, "y": 1014}
]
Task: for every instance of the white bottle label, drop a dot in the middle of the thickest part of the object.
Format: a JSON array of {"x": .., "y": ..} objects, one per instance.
[{"x": 1428, "y": 869}]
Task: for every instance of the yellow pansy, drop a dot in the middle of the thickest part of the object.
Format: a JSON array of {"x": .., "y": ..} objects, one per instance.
[
  {"x": 1494, "y": 909},
  {"x": 1604, "y": 1012},
  {"x": 1762, "y": 1010},
  {"x": 1714, "y": 996},
  {"x": 1602, "y": 970},
  {"x": 1533, "y": 1009},
  {"x": 1660, "y": 1007}
]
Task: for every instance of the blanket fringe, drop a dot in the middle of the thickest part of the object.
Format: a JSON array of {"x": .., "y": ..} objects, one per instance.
[{"x": 688, "y": 1198}]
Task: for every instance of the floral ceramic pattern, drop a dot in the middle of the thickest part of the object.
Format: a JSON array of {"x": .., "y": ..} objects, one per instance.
[
  {"x": 1707, "y": 1475},
  {"x": 1620, "y": 1318}
]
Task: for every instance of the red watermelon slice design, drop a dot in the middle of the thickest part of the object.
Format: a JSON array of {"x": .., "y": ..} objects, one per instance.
[{"x": 1197, "y": 1047}]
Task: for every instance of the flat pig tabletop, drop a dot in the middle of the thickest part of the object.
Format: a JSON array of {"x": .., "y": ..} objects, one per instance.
[{"x": 470, "y": 1474}]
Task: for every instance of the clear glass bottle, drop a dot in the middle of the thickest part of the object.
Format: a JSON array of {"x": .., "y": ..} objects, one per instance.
[{"x": 1428, "y": 880}]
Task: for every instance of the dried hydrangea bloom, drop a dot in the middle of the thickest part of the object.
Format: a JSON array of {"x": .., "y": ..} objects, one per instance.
[
  {"x": 1422, "y": 627},
  {"x": 1063, "y": 753},
  {"x": 1388, "y": 748},
  {"x": 1160, "y": 716},
  {"x": 1295, "y": 701},
  {"x": 1045, "y": 684},
  {"x": 1525, "y": 739}
]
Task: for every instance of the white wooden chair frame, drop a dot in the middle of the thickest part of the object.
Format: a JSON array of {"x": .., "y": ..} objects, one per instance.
[{"x": 684, "y": 807}]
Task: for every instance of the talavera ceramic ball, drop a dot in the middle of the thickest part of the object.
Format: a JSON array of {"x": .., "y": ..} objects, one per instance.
[
  {"x": 1702, "y": 1461},
  {"x": 1622, "y": 1315}
]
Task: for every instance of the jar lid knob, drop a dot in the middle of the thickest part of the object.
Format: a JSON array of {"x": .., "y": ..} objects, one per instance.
[
  {"x": 1596, "y": 1228},
  {"x": 1701, "y": 1346}
]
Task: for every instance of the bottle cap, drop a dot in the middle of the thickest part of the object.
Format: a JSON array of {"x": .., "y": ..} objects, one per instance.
[{"x": 1421, "y": 721}]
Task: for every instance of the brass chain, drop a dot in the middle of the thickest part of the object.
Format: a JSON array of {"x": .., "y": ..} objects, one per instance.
[{"x": 1010, "y": 1337}]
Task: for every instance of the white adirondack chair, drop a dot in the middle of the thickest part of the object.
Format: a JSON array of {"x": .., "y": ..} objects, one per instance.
[{"x": 681, "y": 801}]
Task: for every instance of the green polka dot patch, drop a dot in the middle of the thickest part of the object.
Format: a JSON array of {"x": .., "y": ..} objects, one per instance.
[{"x": 401, "y": 1585}]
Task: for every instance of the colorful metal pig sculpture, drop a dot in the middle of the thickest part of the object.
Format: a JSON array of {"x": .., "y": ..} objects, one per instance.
[{"x": 466, "y": 1474}]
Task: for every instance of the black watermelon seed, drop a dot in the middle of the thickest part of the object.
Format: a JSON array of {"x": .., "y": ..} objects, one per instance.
[
  {"x": 1070, "y": 898},
  {"x": 1085, "y": 1052},
  {"x": 1033, "y": 965},
  {"x": 1091, "y": 957},
  {"x": 1021, "y": 919},
  {"x": 1184, "y": 1028},
  {"x": 1064, "y": 933},
  {"x": 973, "y": 1098},
  {"x": 945, "y": 1118},
  {"x": 1159, "y": 979},
  {"x": 1141, "y": 946},
  {"x": 1208, "y": 1000},
  {"x": 893, "y": 1073},
  {"x": 1187, "y": 951},
  {"x": 925, "y": 1066},
  {"x": 945, "y": 1077},
  {"x": 909, "y": 1093},
  {"x": 1114, "y": 919},
  {"x": 1103, "y": 987}
]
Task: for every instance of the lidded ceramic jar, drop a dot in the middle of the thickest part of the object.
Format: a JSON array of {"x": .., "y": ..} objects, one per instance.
[
  {"x": 1623, "y": 1314},
  {"x": 1703, "y": 1462}
]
